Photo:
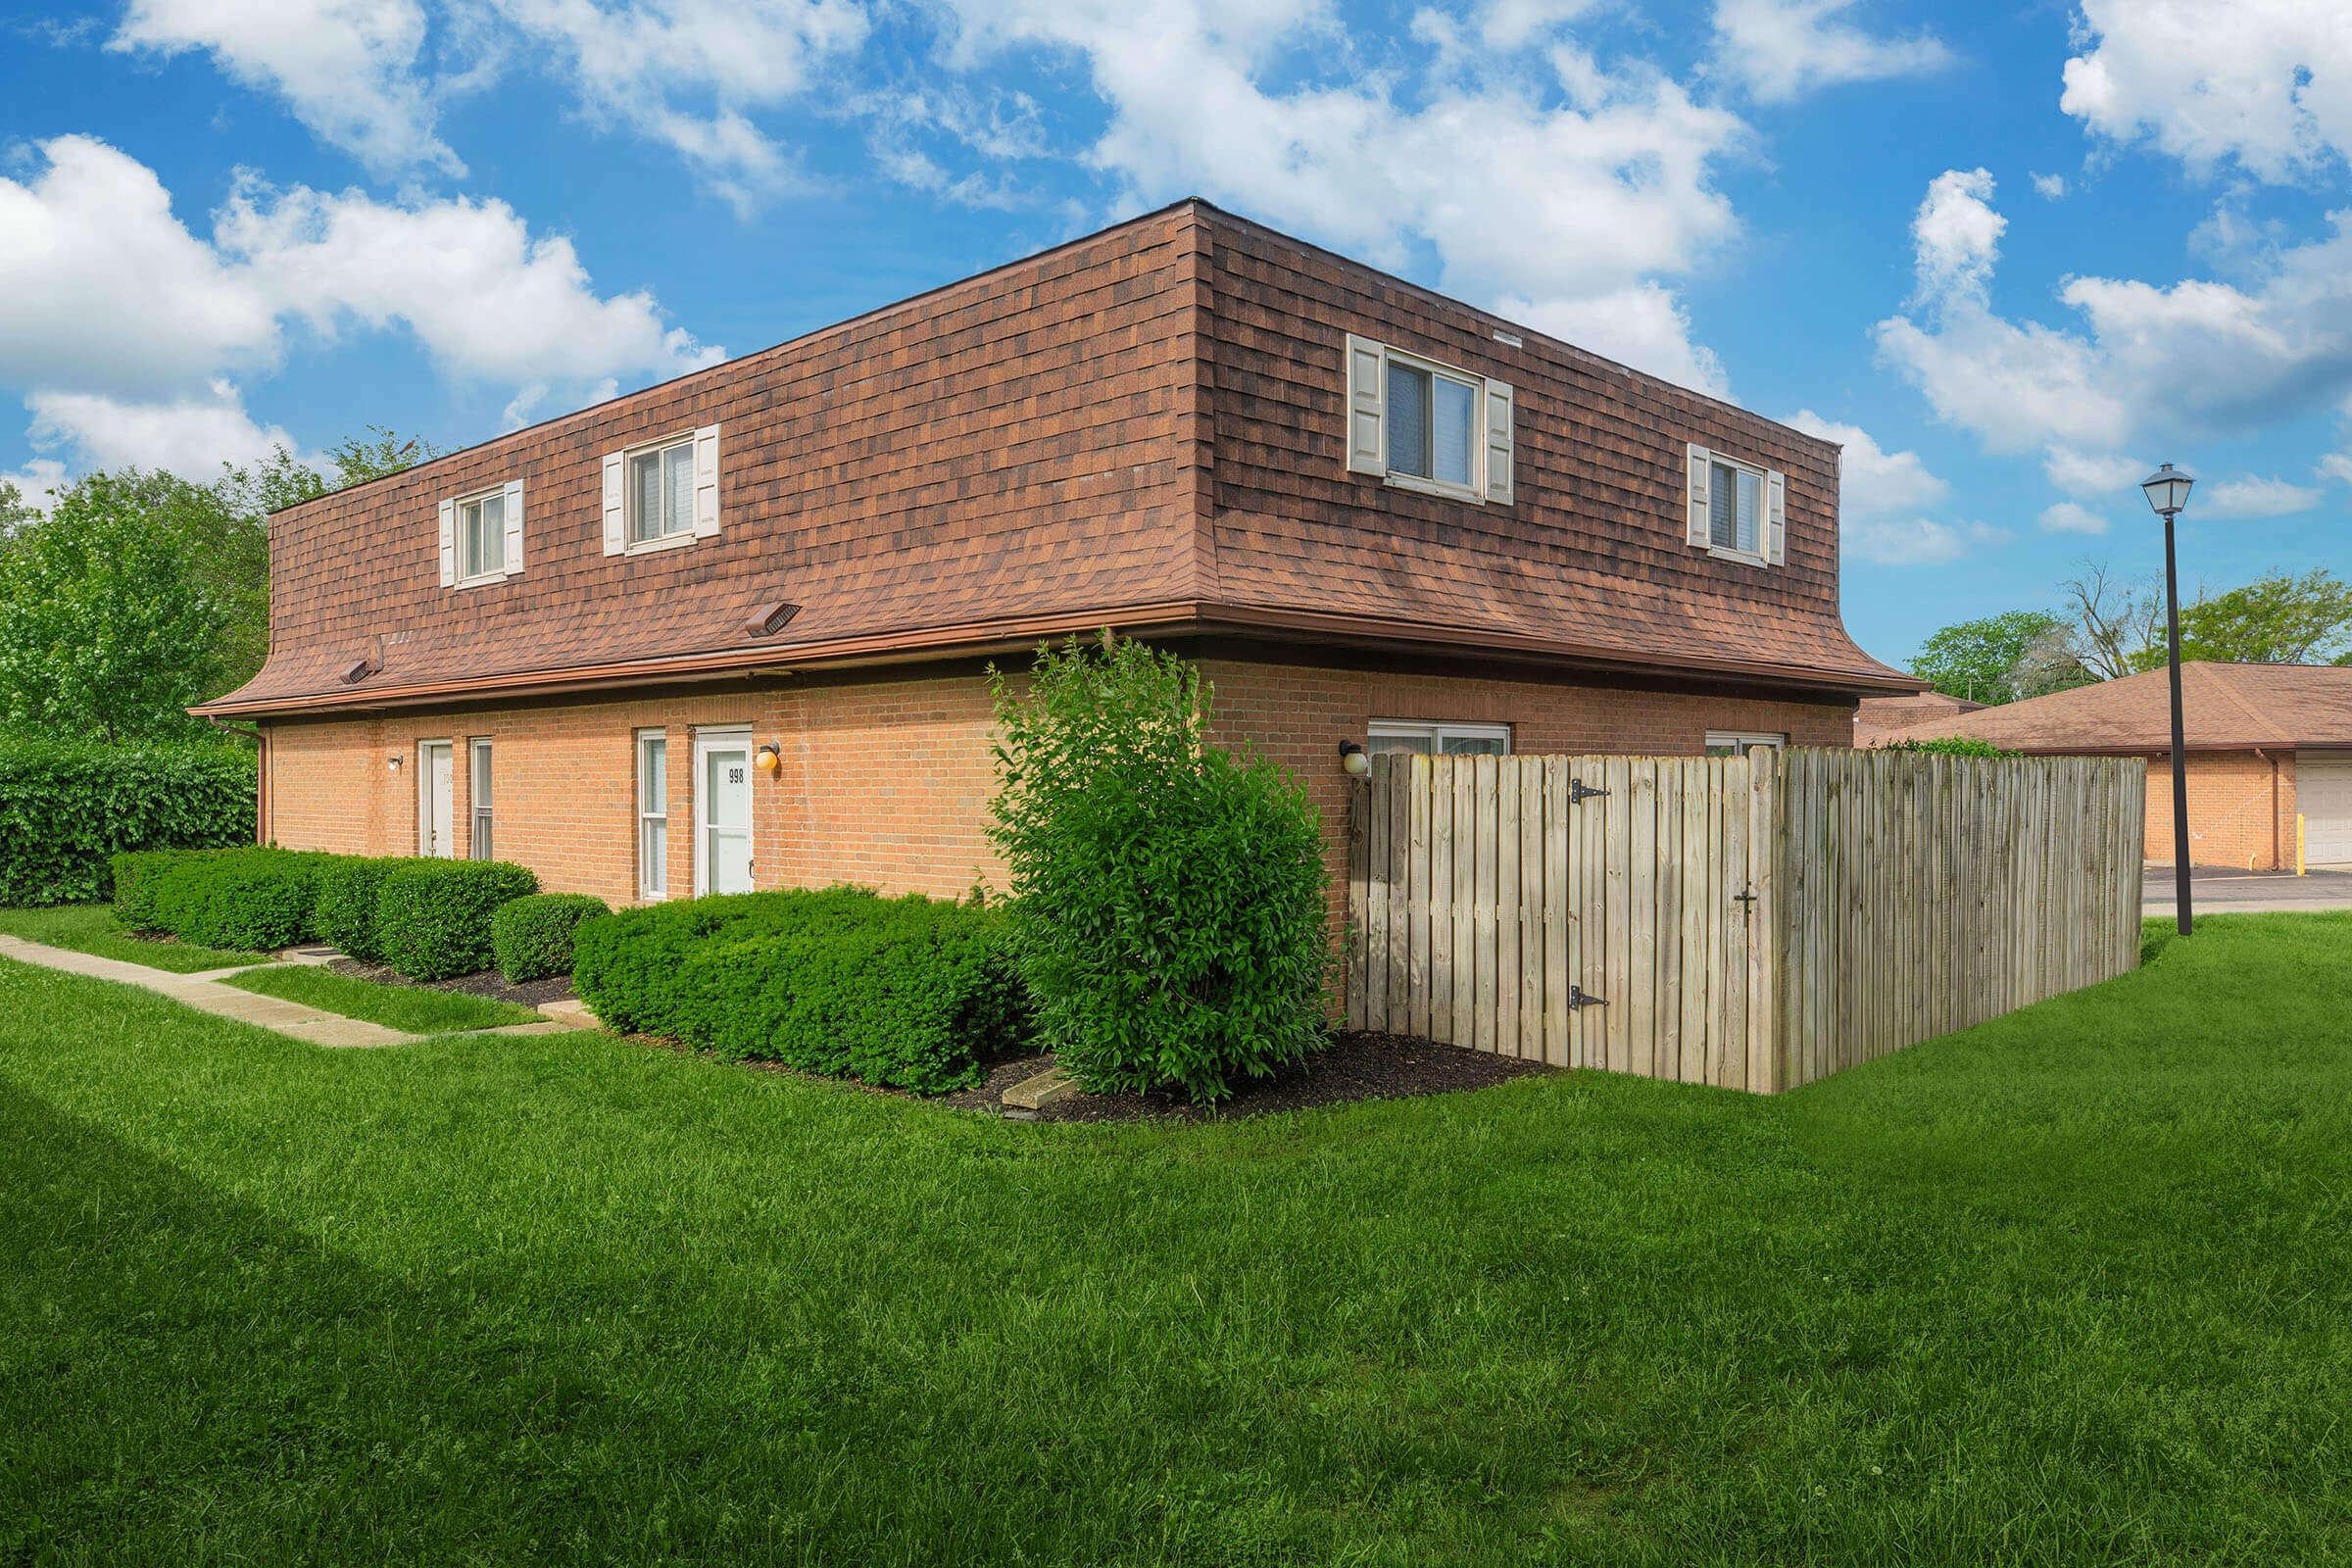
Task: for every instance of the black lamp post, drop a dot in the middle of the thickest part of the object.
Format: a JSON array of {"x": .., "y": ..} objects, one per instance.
[{"x": 2166, "y": 491}]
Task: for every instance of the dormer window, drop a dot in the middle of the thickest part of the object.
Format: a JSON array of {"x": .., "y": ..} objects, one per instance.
[
  {"x": 1737, "y": 510},
  {"x": 1424, "y": 425},
  {"x": 663, "y": 493},
  {"x": 481, "y": 536}
]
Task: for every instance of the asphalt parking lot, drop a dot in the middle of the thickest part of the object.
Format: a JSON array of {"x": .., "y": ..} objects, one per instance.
[{"x": 2219, "y": 890}]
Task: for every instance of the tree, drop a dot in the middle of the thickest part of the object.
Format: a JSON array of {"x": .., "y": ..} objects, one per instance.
[
  {"x": 2000, "y": 658},
  {"x": 2275, "y": 621},
  {"x": 2116, "y": 625},
  {"x": 107, "y": 625},
  {"x": 360, "y": 459}
]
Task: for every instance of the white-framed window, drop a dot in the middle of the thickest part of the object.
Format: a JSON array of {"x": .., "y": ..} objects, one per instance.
[
  {"x": 653, "y": 813},
  {"x": 477, "y": 776},
  {"x": 1424, "y": 425},
  {"x": 1738, "y": 742},
  {"x": 1432, "y": 738},
  {"x": 1737, "y": 510},
  {"x": 662, "y": 493},
  {"x": 481, "y": 536}
]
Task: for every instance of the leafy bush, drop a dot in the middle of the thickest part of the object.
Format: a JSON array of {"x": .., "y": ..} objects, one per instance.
[
  {"x": 912, "y": 993},
  {"x": 1951, "y": 746},
  {"x": 65, "y": 808},
  {"x": 1168, "y": 899},
  {"x": 531, "y": 936},
  {"x": 432, "y": 917},
  {"x": 137, "y": 874},
  {"x": 255, "y": 899},
  {"x": 350, "y": 887}
]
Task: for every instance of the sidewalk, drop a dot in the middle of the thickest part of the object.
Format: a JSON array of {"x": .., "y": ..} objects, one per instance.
[{"x": 204, "y": 993}]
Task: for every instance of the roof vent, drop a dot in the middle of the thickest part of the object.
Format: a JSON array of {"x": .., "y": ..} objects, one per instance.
[
  {"x": 360, "y": 671},
  {"x": 771, "y": 619}
]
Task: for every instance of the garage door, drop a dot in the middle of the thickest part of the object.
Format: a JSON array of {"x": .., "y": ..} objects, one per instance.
[{"x": 2324, "y": 795}]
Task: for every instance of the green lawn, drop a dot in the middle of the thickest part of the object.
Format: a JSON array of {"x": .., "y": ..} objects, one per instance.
[
  {"x": 91, "y": 928},
  {"x": 2073, "y": 1288},
  {"x": 414, "y": 1008}
]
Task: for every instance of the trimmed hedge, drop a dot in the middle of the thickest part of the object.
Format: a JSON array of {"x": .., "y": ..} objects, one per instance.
[
  {"x": 350, "y": 889},
  {"x": 912, "y": 993},
  {"x": 531, "y": 937},
  {"x": 254, "y": 900},
  {"x": 65, "y": 808},
  {"x": 136, "y": 873},
  {"x": 432, "y": 917}
]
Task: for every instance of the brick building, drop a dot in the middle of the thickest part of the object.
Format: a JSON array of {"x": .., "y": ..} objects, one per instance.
[
  {"x": 2266, "y": 745},
  {"x": 732, "y": 630}
]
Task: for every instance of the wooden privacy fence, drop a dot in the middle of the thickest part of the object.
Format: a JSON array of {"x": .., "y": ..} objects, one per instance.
[{"x": 1756, "y": 923}]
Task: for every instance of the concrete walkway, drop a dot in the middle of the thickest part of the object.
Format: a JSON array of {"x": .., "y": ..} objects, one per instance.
[{"x": 204, "y": 993}]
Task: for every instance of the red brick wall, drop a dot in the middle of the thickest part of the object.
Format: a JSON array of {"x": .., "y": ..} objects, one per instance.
[
  {"x": 2242, "y": 810},
  {"x": 886, "y": 780}
]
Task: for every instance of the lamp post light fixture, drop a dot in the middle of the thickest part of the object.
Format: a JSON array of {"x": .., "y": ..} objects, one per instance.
[{"x": 2167, "y": 490}]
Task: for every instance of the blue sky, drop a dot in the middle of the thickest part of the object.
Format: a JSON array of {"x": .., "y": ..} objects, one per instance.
[{"x": 2011, "y": 254}]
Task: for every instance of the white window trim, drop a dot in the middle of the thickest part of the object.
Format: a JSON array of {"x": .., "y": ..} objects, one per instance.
[
  {"x": 1763, "y": 477},
  {"x": 479, "y": 579},
  {"x": 1743, "y": 740},
  {"x": 480, "y": 757},
  {"x": 629, "y": 497},
  {"x": 646, "y": 891},
  {"x": 1772, "y": 528},
  {"x": 1492, "y": 446},
  {"x": 1437, "y": 732}
]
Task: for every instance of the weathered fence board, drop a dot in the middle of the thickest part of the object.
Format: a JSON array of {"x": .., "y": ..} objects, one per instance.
[{"x": 1754, "y": 922}]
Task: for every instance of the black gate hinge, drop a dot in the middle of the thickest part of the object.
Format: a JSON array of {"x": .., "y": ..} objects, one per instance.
[
  {"x": 1580, "y": 792},
  {"x": 1579, "y": 997}
]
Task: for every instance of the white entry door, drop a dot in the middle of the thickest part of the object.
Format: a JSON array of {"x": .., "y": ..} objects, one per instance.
[
  {"x": 722, "y": 810},
  {"x": 2324, "y": 795},
  {"x": 435, "y": 782}
]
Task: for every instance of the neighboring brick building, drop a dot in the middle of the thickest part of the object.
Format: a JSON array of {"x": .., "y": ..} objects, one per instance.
[
  {"x": 732, "y": 630},
  {"x": 1878, "y": 716},
  {"x": 2266, "y": 744}
]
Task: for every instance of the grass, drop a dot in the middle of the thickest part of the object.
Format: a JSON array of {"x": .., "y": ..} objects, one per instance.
[
  {"x": 417, "y": 1010},
  {"x": 91, "y": 928},
  {"x": 2067, "y": 1289}
]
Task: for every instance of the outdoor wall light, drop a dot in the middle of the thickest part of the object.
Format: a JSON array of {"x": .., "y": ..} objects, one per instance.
[
  {"x": 1352, "y": 761},
  {"x": 393, "y": 761},
  {"x": 767, "y": 760}
]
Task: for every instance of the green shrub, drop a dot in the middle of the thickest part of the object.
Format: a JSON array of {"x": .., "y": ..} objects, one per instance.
[
  {"x": 135, "y": 874},
  {"x": 531, "y": 937},
  {"x": 1168, "y": 899},
  {"x": 350, "y": 887},
  {"x": 65, "y": 808},
  {"x": 255, "y": 899},
  {"x": 1951, "y": 746},
  {"x": 432, "y": 917},
  {"x": 912, "y": 993}
]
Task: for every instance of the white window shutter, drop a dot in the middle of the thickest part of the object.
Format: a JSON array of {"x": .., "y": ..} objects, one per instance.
[
  {"x": 617, "y": 537},
  {"x": 513, "y": 526},
  {"x": 1367, "y": 396},
  {"x": 449, "y": 543},
  {"x": 706, "y": 481},
  {"x": 1500, "y": 442},
  {"x": 1775, "y": 517},
  {"x": 1701, "y": 466}
]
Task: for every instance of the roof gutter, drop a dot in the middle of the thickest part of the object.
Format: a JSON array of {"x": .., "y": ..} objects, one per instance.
[{"x": 989, "y": 637}]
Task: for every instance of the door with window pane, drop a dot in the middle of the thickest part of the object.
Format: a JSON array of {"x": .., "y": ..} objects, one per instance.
[
  {"x": 724, "y": 811},
  {"x": 437, "y": 782}
]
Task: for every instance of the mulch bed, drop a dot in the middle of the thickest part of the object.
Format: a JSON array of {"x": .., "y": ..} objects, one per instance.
[
  {"x": 1359, "y": 1065},
  {"x": 489, "y": 983}
]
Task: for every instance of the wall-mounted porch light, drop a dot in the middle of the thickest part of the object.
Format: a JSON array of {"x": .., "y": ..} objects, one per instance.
[
  {"x": 1352, "y": 761},
  {"x": 393, "y": 761},
  {"x": 767, "y": 758}
]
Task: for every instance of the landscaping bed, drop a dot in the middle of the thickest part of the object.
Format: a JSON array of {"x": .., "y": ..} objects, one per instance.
[{"x": 488, "y": 983}]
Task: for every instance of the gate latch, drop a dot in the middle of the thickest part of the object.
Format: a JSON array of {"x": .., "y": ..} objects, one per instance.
[
  {"x": 1578, "y": 995},
  {"x": 1580, "y": 792}
]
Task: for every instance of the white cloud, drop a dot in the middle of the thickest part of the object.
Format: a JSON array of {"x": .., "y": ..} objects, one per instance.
[
  {"x": 2265, "y": 82},
  {"x": 34, "y": 481},
  {"x": 2336, "y": 466},
  {"x": 118, "y": 326},
  {"x": 2049, "y": 187},
  {"x": 2092, "y": 473},
  {"x": 1642, "y": 324},
  {"x": 347, "y": 69},
  {"x": 100, "y": 283},
  {"x": 689, "y": 74},
  {"x": 1884, "y": 502},
  {"x": 2254, "y": 497},
  {"x": 190, "y": 435},
  {"x": 1582, "y": 197},
  {"x": 2070, "y": 516},
  {"x": 2142, "y": 363},
  {"x": 1781, "y": 49}
]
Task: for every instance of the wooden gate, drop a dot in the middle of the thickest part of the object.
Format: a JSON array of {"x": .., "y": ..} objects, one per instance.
[
  {"x": 1588, "y": 911},
  {"x": 1753, "y": 922}
]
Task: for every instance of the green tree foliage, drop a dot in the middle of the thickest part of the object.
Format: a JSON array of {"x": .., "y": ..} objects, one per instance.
[
  {"x": 2275, "y": 621},
  {"x": 1169, "y": 897},
  {"x": 1951, "y": 746},
  {"x": 360, "y": 459},
  {"x": 2000, "y": 658}
]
